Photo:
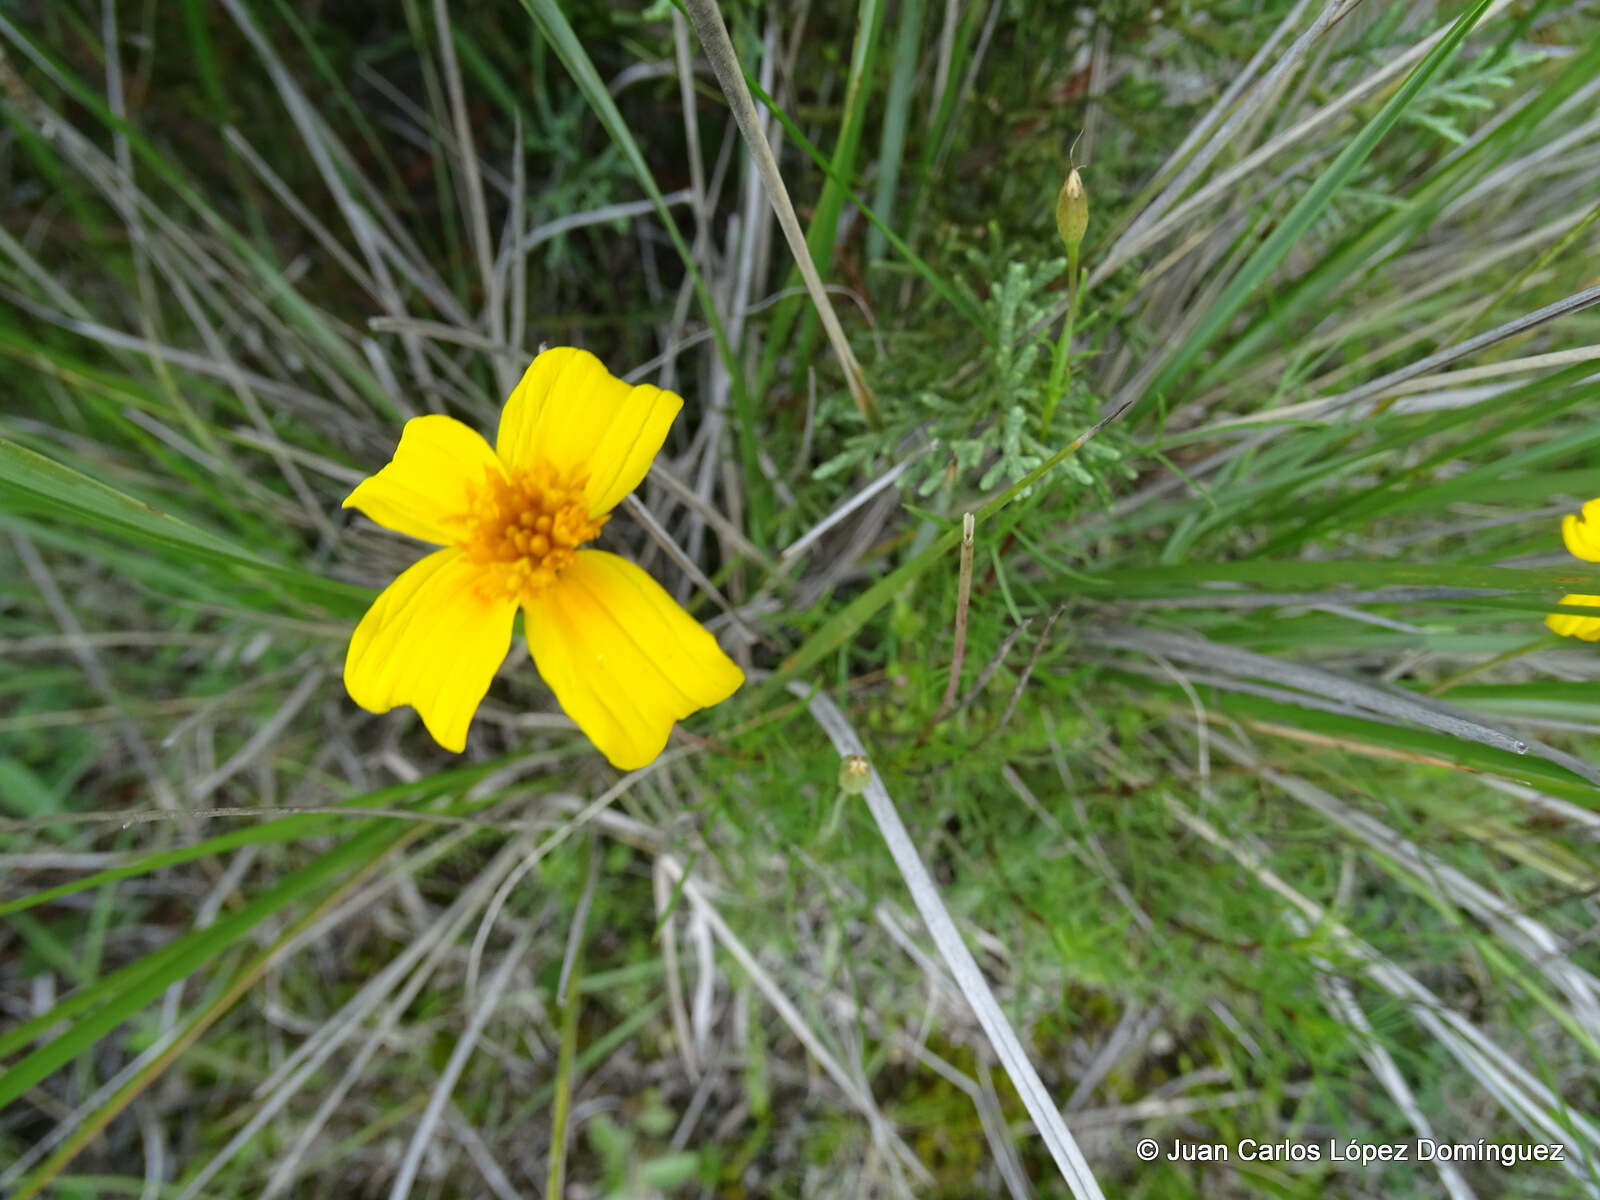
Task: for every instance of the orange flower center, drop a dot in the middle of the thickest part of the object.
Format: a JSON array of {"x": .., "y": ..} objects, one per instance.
[{"x": 524, "y": 526}]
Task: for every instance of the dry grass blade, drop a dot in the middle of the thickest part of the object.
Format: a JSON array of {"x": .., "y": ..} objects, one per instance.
[
  {"x": 1228, "y": 180},
  {"x": 641, "y": 513},
  {"x": 135, "y": 742},
  {"x": 286, "y": 196},
  {"x": 1427, "y": 392},
  {"x": 679, "y": 1012},
  {"x": 1035, "y": 1097},
  {"x": 89, "y": 1107},
  {"x": 458, "y": 1061},
  {"x": 1133, "y": 237},
  {"x": 810, "y": 537},
  {"x": 1542, "y": 1113},
  {"x": 295, "y": 1072},
  {"x": 1577, "y": 302},
  {"x": 1548, "y": 953},
  {"x": 999, "y": 1136},
  {"x": 1574, "y": 303},
  {"x": 725, "y": 65},
  {"x": 661, "y": 474},
  {"x": 472, "y": 185},
  {"x": 854, "y": 1090},
  {"x": 1340, "y": 999},
  {"x": 493, "y": 1173},
  {"x": 963, "y": 596},
  {"x": 1321, "y": 686}
]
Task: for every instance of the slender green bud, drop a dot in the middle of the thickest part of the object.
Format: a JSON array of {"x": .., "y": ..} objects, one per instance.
[
  {"x": 1072, "y": 211},
  {"x": 854, "y": 771}
]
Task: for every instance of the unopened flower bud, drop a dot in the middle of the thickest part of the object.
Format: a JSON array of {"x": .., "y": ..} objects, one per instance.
[
  {"x": 1072, "y": 210},
  {"x": 854, "y": 771}
]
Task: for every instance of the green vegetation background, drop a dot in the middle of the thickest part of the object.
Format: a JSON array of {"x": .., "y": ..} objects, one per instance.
[{"x": 1264, "y": 799}]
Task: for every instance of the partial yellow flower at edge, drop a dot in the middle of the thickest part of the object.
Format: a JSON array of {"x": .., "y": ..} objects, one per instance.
[
  {"x": 624, "y": 660},
  {"x": 1569, "y": 625},
  {"x": 1581, "y": 532}
]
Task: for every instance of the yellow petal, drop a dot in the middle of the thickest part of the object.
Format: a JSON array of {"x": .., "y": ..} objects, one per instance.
[
  {"x": 572, "y": 414},
  {"x": 433, "y": 639},
  {"x": 622, "y": 658},
  {"x": 1582, "y": 533},
  {"x": 424, "y": 491},
  {"x": 1568, "y": 625}
]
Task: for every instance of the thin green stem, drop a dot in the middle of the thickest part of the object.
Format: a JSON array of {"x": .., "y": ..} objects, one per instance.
[
  {"x": 1443, "y": 686},
  {"x": 1538, "y": 264},
  {"x": 1061, "y": 367},
  {"x": 568, "y": 990},
  {"x": 561, "y": 1110}
]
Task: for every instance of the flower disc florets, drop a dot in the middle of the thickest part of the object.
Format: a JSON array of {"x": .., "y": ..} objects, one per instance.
[{"x": 527, "y": 523}]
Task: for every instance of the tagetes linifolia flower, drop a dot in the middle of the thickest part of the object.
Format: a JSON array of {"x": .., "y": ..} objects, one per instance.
[
  {"x": 622, "y": 658},
  {"x": 1581, "y": 533}
]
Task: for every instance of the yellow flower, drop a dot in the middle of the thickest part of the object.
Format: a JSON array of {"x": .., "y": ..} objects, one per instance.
[
  {"x": 1581, "y": 533},
  {"x": 622, "y": 658}
]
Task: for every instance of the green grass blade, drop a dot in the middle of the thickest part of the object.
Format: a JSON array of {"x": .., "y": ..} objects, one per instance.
[
  {"x": 558, "y": 32},
  {"x": 896, "y": 112},
  {"x": 32, "y": 483},
  {"x": 824, "y": 226},
  {"x": 956, "y": 299},
  {"x": 1299, "y": 219},
  {"x": 240, "y": 983},
  {"x": 1360, "y": 251},
  {"x": 159, "y": 164},
  {"x": 281, "y": 829},
  {"x": 131, "y": 989}
]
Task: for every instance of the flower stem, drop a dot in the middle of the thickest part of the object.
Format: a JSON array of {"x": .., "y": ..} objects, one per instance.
[{"x": 1061, "y": 367}]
